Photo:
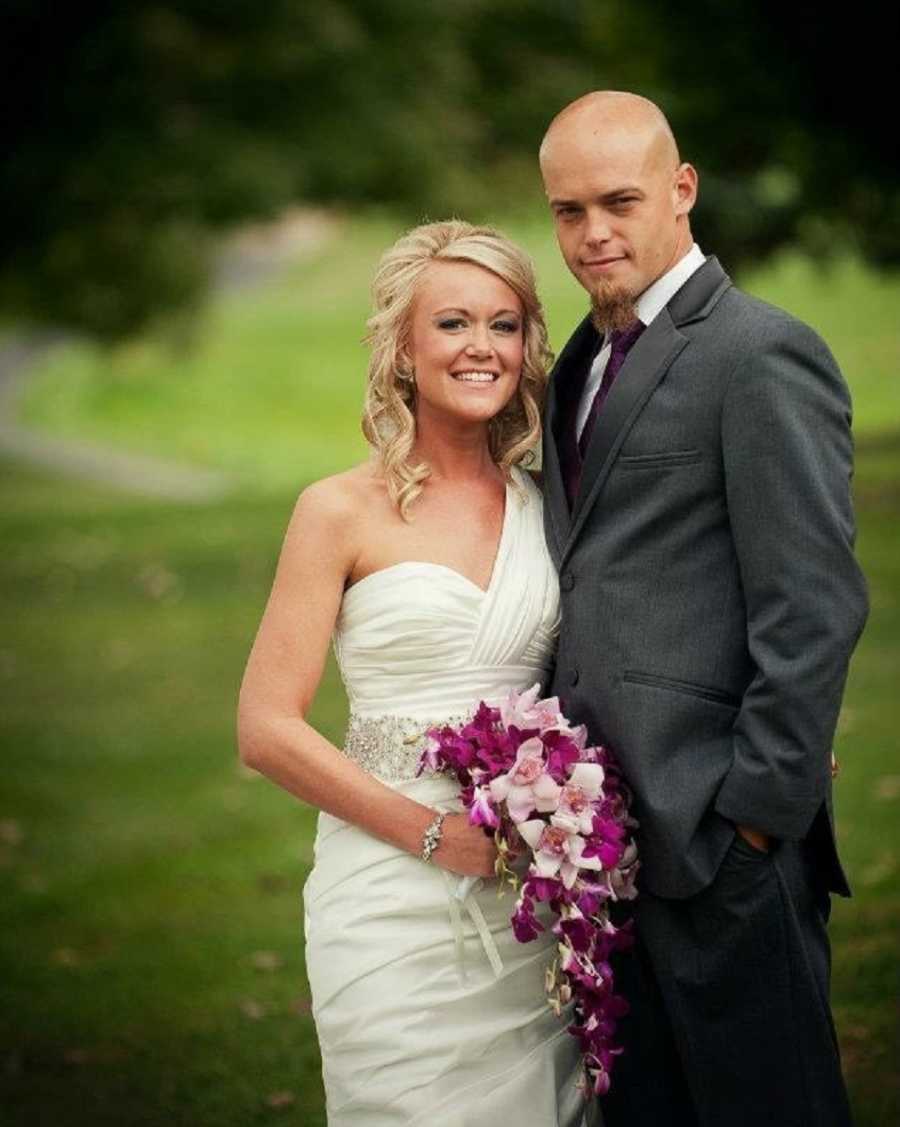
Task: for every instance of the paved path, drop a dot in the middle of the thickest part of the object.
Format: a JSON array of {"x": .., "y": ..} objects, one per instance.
[
  {"x": 105, "y": 465},
  {"x": 251, "y": 256}
]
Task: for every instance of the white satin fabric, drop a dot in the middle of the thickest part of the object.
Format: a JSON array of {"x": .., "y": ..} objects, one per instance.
[{"x": 428, "y": 1010}]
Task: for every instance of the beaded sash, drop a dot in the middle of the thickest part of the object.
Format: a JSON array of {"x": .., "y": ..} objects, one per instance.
[{"x": 390, "y": 746}]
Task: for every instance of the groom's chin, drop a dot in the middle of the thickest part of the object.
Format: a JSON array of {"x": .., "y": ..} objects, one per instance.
[{"x": 611, "y": 309}]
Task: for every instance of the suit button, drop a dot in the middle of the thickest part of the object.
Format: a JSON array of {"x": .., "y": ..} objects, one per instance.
[
  {"x": 573, "y": 677},
  {"x": 567, "y": 581}
]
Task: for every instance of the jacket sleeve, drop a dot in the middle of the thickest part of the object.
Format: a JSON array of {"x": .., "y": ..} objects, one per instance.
[{"x": 788, "y": 459}]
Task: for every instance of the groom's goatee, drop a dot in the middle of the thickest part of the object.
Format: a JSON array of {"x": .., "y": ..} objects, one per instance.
[{"x": 611, "y": 308}]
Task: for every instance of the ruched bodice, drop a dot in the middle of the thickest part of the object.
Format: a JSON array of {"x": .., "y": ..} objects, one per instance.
[{"x": 420, "y": 639}]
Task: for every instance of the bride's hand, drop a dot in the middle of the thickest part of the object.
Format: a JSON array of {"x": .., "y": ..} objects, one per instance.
[{"x": 465, "y": 849}]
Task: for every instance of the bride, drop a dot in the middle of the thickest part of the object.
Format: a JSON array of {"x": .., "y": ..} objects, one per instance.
[{"x": 427, "y": 568}]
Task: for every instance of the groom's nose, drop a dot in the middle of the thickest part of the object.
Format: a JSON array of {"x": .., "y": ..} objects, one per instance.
[{"x": 597, "y": 229}]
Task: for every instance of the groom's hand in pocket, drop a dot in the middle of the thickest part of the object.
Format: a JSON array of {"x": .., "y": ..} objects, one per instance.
[{"x": 758, "y": 840}]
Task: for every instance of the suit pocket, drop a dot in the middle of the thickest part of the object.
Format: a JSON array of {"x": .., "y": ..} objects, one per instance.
[
  {"x": 689, "y": 688},
  {"x": 662, "y": 460}
]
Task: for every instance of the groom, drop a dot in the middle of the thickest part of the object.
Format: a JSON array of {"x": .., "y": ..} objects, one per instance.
[{"x": 697, "y": 469}]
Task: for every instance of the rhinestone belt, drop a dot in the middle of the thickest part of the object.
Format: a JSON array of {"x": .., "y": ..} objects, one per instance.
[{"x": 390, "y": 746}]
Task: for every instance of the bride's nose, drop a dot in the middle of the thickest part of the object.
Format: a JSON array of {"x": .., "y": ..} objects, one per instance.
[{"x": 479, "y": 344}]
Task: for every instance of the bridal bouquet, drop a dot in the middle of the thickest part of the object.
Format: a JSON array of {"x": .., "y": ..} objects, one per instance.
[{"x": 531, "y": 778}]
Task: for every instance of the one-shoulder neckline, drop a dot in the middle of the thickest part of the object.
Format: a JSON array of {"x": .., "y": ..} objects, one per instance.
[{"x": 509, "y": 501}]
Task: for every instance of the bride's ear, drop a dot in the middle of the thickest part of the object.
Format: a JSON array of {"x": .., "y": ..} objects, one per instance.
[
  {"x": 405, "y": 374},
  {"x": 403, "y": 360}
]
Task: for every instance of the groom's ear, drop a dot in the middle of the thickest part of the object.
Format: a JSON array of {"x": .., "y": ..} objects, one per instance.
[{"x": 684, "y": 188}]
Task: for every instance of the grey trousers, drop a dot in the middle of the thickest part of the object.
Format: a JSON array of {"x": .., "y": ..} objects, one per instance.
[{"x": 730, "y": 1023}]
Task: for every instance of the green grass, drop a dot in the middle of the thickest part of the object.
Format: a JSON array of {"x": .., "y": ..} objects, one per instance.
[
  {"x": 141, "y": 870},
  {"x": 149, "y": 868},
  {"x": 271, "y": 385}
]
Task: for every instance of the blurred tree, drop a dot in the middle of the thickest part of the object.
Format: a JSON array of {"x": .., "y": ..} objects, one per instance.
[
  {"x": 783, "y": 108},
  {"x": 138, "y": 128}
]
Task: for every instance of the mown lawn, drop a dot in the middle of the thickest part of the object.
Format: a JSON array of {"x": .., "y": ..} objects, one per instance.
[{"x": 151, "y": 968}]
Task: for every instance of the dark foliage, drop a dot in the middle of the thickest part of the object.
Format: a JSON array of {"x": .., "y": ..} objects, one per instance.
[{"x": 136, "y": 129}]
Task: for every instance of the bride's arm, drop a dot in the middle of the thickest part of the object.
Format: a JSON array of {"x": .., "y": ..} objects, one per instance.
[{"x": 283, "y": 673}]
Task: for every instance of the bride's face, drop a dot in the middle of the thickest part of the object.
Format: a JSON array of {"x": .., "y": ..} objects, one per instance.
[{"x": 466, "y": 342}]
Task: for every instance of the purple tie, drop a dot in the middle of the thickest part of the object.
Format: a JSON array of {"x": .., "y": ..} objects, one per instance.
[{"x": 621, "y": 340}]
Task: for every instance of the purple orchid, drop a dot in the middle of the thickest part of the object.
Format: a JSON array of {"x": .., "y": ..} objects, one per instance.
[
  {"x": 606, "y": 841},
  {"x": 525, "y": 924},
  {"x": 481, "y": 810},
  {"x": 543, "y": 888}
]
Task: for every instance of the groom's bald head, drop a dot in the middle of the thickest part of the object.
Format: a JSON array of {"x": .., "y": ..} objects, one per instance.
[
  {"x": 608, "y": 115},
  {"x": 618, "y": 190}
]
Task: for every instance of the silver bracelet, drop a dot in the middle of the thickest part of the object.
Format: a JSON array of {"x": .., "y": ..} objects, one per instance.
[{"x": 432, "y": 836}]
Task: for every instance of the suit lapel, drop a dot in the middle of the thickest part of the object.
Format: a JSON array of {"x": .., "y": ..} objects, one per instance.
[
  {"x": 566, "y": 371},
  {"x": 645, "y": 366},
  {"x": 556, "y": 507}
]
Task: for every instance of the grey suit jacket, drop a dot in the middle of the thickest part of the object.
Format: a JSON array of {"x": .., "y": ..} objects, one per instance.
[{"x": 710, "y": 595}]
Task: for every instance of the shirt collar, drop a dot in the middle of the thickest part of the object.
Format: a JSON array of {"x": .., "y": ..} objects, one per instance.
[{"x": 658, "y": 295}]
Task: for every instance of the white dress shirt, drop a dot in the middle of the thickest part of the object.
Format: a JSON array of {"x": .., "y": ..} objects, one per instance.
[{"x": 649, "y": 305}]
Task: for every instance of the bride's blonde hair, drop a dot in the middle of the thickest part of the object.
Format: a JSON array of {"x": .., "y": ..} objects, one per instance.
[{"x": 389, "y": 421}]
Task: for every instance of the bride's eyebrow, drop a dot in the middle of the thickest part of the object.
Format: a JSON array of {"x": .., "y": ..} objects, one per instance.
[{"x": 466, "y": 313}]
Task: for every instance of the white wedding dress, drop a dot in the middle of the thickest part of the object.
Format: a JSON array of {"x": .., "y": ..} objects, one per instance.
[{"x": 429, "y": 1011}]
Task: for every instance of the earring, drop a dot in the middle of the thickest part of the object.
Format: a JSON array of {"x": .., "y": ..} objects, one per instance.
[{"x": 408, "y": 375}]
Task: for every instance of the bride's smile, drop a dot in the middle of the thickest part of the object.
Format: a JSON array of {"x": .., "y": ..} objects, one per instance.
[{"x": 466, "y": 343}]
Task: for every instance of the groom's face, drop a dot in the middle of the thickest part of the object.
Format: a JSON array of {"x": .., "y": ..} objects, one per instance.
[{"x": 620, "y": 207}]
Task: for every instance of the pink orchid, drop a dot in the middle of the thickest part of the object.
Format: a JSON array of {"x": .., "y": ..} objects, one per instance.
[
  {"x": 526, "y": 711},
  {"x": 575, "y": 811},
  {"x": 556, "y": 850},
  {"x": 431, "y": 756},
  {"x": 526, "y": 787}
]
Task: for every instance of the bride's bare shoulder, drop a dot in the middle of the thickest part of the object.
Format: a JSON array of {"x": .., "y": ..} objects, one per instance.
[
  {"x": 327, "y": 527},
  {"x": 343, "y": 497}
]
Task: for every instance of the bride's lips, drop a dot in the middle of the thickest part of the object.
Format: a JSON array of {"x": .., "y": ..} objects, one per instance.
[{"x": 476, "y": 377}]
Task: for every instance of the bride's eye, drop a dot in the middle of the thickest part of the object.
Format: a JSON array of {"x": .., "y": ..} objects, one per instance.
[
  {"x": 506, "y": 326},
  {"x": 451, "y": 323}
]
